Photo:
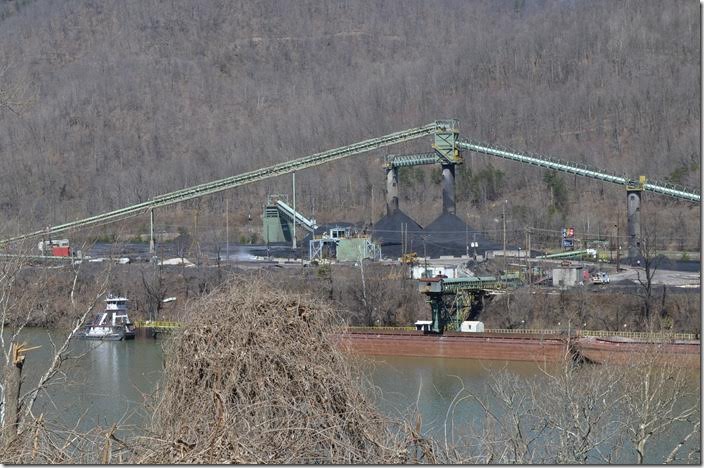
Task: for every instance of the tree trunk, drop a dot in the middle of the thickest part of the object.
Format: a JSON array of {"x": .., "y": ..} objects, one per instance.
[{"x": 13, "y": 381}]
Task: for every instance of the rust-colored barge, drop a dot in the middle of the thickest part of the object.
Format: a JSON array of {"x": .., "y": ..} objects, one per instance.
[
  {"x": 483, "y": 346},
  {"x": 618, "y": 350},
  {"x": 534, "y": 347}
]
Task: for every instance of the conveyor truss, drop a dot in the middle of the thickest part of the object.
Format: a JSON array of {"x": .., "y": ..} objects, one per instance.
[{"x": 447, "y": 148}]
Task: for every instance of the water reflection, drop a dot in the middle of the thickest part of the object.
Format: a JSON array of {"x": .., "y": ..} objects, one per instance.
[
  {"x": 102, "y": 383},
  {"x": 430, "y": 385},
  {"x": 435, "y": 388}
]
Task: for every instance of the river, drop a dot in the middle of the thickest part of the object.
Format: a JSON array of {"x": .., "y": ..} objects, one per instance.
[{"x": 107, "y": 382}]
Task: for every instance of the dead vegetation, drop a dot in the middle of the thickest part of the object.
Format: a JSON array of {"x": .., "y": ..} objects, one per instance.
[{"x": 257, "y": 380}]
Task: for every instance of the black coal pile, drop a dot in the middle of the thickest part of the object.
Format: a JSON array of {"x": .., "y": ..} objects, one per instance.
[
  {"x": 449, "y": 235},
  {"x": 387, "y": 232}
]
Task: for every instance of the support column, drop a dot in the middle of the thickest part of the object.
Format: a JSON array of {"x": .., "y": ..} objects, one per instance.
[
  {"x": 391, "y": 190},
  {"x": 448, "y": 188},
  {"x": 436, "y": 307},
  {"x": 151, "y": 231},
  {"x": 293, "y": 235},
  {"x": 633, "y": 206}
]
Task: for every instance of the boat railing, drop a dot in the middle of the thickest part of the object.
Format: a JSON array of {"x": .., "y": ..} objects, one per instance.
[{"x": 156, "y": 324}]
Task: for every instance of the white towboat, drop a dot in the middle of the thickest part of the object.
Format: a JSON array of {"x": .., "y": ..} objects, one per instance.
[{"x": 111, "y": 325}]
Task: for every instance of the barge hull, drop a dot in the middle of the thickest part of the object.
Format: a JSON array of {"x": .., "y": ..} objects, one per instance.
[
  {"x": 464, "y": 346},
  {"x": 604, "y": 351}
]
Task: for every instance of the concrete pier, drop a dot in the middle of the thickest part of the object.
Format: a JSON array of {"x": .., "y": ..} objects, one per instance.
[
  {"x": 633, "y": 207},
  {"x": 448, "y": 188},
  {"x": 391, "y": 190}
]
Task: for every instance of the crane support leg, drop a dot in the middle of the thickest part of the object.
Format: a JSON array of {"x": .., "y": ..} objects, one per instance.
[
  {"x": 448, "y": 188},
  {"x": 391, "y": 190},
  {"x": 436, "y": 306},
  {"x": 633, "y": 206}
]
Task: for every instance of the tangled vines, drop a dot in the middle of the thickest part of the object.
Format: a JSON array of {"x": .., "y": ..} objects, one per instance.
[{"x": 255, "y": 378}]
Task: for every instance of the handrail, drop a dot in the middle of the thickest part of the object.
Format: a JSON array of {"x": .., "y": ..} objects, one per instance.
[
  {"x": 537, "y": 331},
  {"x": 157, "y": 324},
  {"x": 642, "y": 335},
  {"x": 523, "y": 331},
  {"x": 376, "y": 328}
]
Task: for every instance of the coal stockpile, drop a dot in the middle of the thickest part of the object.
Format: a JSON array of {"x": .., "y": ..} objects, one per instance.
[
  {"x": 449, "y": 235},
  {"x": 387, "y": 232}
]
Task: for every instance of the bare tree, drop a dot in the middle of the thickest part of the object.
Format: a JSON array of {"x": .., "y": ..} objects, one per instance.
[
  {"x": 658, "y": 396},
  {"x": 16, "y": 307},
  {"x": 648, "y": 256},
  {"x": 155, "y": 291},
  {"x": 585, "y": 414}
]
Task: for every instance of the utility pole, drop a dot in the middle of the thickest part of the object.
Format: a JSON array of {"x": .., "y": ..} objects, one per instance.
[
  {"x": 227, "y": 228},
  {"x": 618, "y": 249},
  {"x": 404, "y": 239},
  {"x": 530, "y": 270},
  {"x": 371, "y": 209},
  {"x": 293, "y": 237},
  {"x": 466, "y": 237},
  {"x": 268, "y": 252},
  {"x": 503, "y": 217},
  {"x": 425, "y": 255},
  {"x": 151, "y": 232}
]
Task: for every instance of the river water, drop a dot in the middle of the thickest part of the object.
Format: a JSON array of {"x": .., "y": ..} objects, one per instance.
[{"x": 107, "y": 382}]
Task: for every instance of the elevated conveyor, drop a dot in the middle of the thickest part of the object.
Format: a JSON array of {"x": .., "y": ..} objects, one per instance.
[
  {"x": 308, "y": 224},
  {"x": 446, "y": 152},
  {"x": 190, "y": 193},
  {"x": 583, "y": 170}
]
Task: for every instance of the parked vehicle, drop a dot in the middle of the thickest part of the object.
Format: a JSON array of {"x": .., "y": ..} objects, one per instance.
[{"x": 600, "y": 277}]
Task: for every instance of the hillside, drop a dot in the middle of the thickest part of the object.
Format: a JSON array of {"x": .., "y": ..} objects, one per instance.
[{"x": 104, "y": 104}]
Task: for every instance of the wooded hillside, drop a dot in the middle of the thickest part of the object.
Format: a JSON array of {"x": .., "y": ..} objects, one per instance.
[{"x": 104, "y": 104}]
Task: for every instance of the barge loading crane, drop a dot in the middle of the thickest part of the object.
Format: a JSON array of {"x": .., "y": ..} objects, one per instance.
[{"x": 451, "y": 299}]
